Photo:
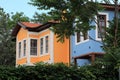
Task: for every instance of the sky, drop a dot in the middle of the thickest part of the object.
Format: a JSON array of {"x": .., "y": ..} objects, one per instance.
[{"x": 19, "y": 6}]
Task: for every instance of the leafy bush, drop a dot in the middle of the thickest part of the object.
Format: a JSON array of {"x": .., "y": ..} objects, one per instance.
[{"x": 53, "y": 72}]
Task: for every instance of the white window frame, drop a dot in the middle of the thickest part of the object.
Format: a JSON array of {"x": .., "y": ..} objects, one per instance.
[
  {"x": 22, "y": 49},
  {"x": 37, "y": 47},
  {"x": 81, "y": 37},
  {"x": 107, "y": 18},
  {"x": 44, "y": 45}
]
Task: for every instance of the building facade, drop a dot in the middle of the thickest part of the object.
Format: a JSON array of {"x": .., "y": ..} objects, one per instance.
[
  {"x": 85, "y": 47},
  {"x": 36, "y": 42}
]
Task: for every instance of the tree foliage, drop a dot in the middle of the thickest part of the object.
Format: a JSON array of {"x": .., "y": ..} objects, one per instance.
[
  {"x": 73, "y": 15},
  {"x": 7, "y": 46},
  {"x": 17, "y": 17},
  {"x": 113, "y": 55},
  {"x": 109, "y": 40},
  {"x": 41, "y": 18},
  {"x": 7, "y": 52}
]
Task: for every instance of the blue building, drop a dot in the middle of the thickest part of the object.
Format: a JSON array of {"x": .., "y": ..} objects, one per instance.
[{"x": 85, "y": 47}]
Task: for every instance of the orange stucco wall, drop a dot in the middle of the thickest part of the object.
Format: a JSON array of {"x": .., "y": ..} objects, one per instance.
[
  {"x": 61, "y": 51},
  {"x": 43, "y": 58},
  {"x": 21, "y": 61},
  {"x": 33, "y": 36},
  {"x": 22, "y": 34},
  {"x": 44, "y": 33}
]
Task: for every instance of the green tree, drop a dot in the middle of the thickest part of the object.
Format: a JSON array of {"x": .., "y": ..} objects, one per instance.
[
  {"x": 7, "y": 45},
  {"x": 111, "y": 60},
  {"x": 41, "y": 18},
  {"x": 17, "y": 17},
  {"x": 111, "y": 42},
  {"x": 7, "y": 52},
  {"x": 73, "y": 15}
]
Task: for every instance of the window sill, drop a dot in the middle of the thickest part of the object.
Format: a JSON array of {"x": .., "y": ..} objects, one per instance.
[
  {"x": 82, "y": 42},
  {"x": 44, "y": 54},
  {"x": 21, "y": 57},
  {"x": 98, "y": 39},
  {"x": 33, "y": 55}
]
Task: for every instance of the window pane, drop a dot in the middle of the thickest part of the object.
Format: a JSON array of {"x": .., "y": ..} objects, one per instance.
[
  {"x": 24, "y": 43},
  {"x": 33, "y": 47},
  {"x": 41, "y": 46},
  {"x": 85, "y": 35},
  {"x": 19, "y": 55},
  {"x": 46, "y": 46},
  {"x": 102, "y": 25},
  {"x": 78, "y": 37}
]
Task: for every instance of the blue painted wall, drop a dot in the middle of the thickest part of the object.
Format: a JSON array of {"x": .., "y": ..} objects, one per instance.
[{"x": 88, "y": 46}]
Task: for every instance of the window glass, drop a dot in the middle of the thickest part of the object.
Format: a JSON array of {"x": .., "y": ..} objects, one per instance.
[
  {"x": 46, "y": 45},
  {"x": 78, "y": 37},
  {"x": 85, "y": 36},
  {"x": 41, "y": 46},
  {"x": 24, "y": 51},
  {"x": 102, "y": 25},
  {"x": 33, "y": 47},
  {"x": 19, "y": 55}
]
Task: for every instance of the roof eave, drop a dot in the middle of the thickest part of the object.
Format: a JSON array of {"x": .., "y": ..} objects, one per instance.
[
  {"x": 110, "y": 7},
  {"x": 35, "y": 29},
  {"x": 17, "y": 28}
]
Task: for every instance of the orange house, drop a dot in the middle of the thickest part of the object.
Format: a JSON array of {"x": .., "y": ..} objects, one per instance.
[{"x": 36, "y": 43}]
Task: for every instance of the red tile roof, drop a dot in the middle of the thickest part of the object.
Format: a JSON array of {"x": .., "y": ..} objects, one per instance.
[
  {"x": 31, "y": 25},
  {"x": 109, "y": 6},
  {"x": 35, "y": 27}
]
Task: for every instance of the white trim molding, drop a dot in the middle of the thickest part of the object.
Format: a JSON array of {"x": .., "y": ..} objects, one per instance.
[
  {"x": 16, "y": 50},
  {"x": 28, "y": 51},
  {"x": 37, "y": 33},
  {"x": 107, "y": 24},
  {"x": 51, "y": 45}
]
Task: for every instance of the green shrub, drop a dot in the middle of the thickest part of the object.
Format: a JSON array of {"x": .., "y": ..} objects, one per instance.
[{"x": 54, "y": 72}]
